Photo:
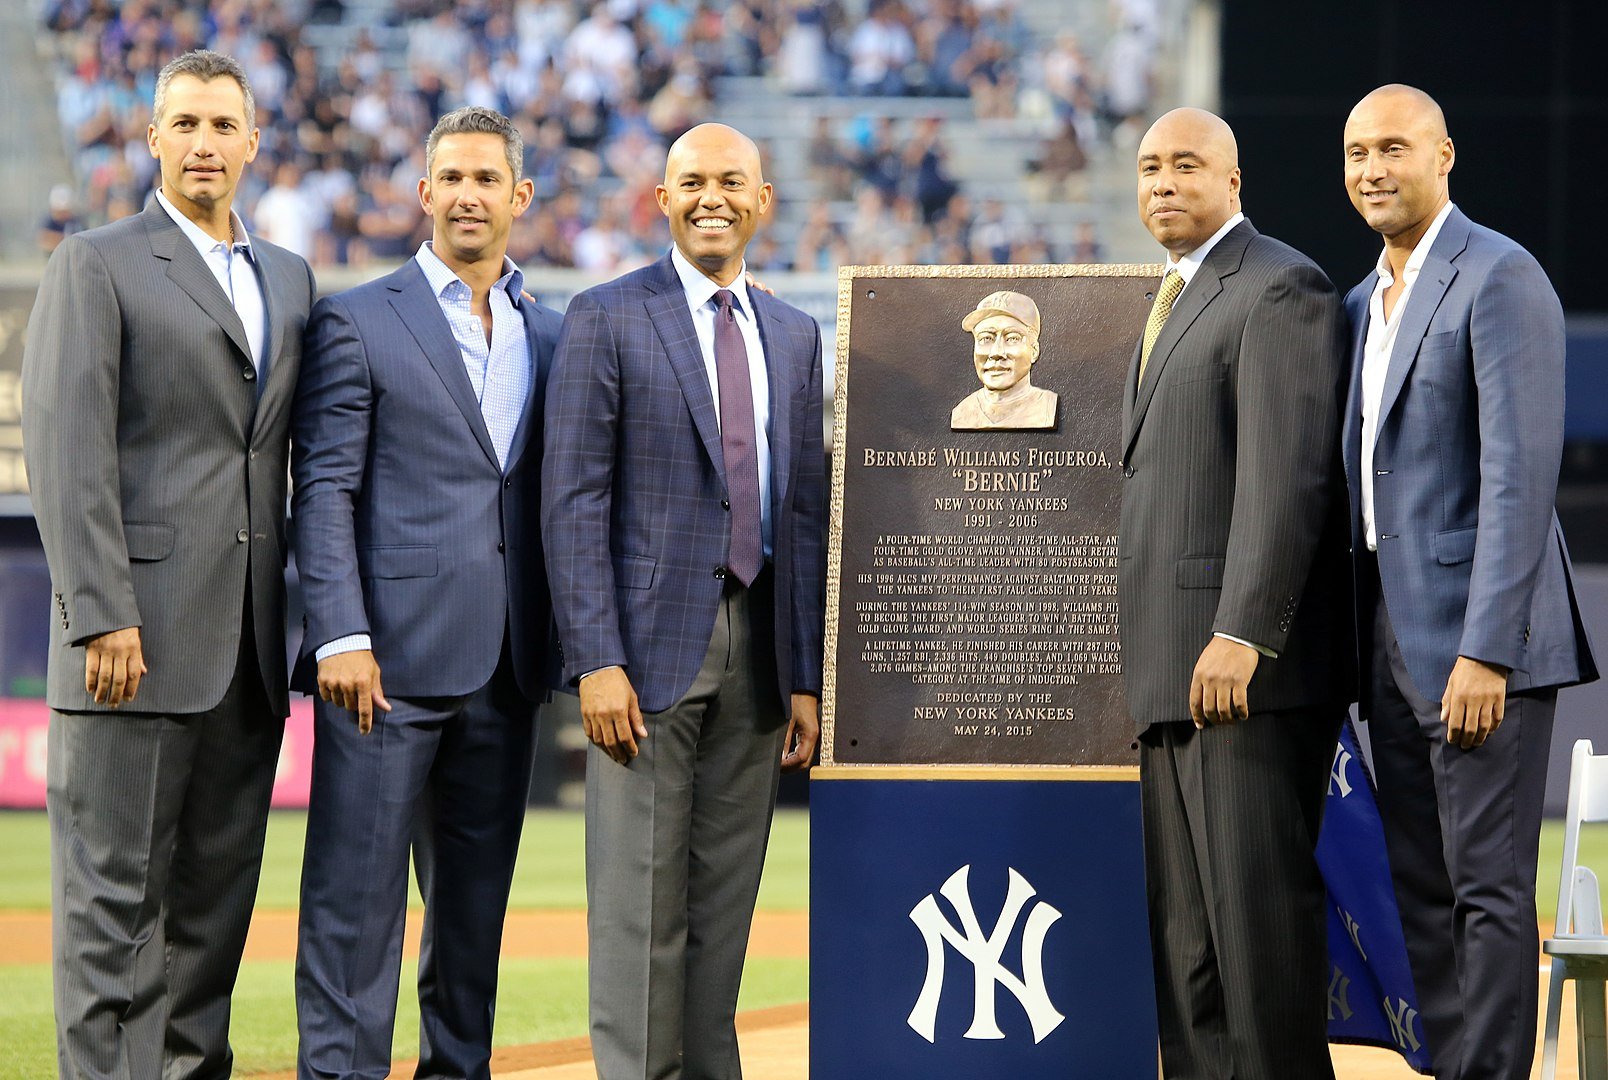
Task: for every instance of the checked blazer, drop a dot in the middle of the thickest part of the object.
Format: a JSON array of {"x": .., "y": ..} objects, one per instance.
[{"x": 634, "y": 493}]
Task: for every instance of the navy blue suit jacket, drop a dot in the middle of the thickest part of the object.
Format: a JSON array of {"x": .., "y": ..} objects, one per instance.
[
  {"x": 407, "y": 529},
  {"x": 1470, "y": 436},
  {"x": 634, "y": 515}
]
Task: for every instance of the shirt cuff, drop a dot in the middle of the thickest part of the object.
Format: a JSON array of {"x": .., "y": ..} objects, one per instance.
[
  {"x": 349, "y": 643},
  {"x": 1264, "y": 650}
]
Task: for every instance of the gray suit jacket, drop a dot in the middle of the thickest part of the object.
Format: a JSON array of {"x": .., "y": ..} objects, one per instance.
[
  {"x": 1233, "y": 507},
  {"x": 157, "y": 474}
]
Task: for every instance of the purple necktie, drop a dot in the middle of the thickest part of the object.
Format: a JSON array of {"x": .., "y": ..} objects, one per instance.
[{"x": 737, "y": 441}]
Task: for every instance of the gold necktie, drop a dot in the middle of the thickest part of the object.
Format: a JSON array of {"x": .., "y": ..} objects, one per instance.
[{"x": 1171, "y": 285}]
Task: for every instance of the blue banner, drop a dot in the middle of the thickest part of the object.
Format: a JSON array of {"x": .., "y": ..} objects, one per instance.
[{"x": 1371, "y": 996}]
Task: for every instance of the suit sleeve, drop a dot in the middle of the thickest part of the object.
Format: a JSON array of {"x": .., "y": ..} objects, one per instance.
[
  {"x": 1287, "y": 442},
  {"x": 1516, "y": 337},
  {"x": 71, "y": 379},
  {"x": 330, "y": 424},
  {"x": 582, "y": 419},
  {"x": 808, "y": 531}
]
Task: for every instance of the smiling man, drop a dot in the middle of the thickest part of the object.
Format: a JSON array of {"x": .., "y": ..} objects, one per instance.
[
  {"x": 1235, "y": 614},
  {"x": 683, "y": 513},
  {"x": 418, "y": 437},
  {"x": 157, "y": 379},
  {"x": 1467, "y": 613},
  {"x": 1005, "y": 346}
]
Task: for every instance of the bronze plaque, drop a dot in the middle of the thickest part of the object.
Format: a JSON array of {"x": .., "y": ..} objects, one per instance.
[
  {"x": 15, "y": 304},
  {"x": 972, "y": 572}
]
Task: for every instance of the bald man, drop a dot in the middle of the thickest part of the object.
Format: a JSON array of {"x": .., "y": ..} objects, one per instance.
[
  {"x": 683, "y": 517},
  {"x": 1235, "y": 614},
  {"x": 1467, "y": 613}
]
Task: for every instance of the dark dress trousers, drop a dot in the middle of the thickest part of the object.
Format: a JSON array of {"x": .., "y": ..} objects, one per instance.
[
  {"x": 1232, "y": 522},
  {"x": 156, "y": 457}
]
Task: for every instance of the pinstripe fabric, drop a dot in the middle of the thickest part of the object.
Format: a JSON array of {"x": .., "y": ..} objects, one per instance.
[
  {"x": 408, "y": 529},
  {"x": 158, "y": 482},
  {"x": 1231, "y": 511},
  {"x": 149, "y": 455},
  {"x": 1231, "y": 523}
]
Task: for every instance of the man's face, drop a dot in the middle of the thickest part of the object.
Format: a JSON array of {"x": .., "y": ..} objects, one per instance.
[
  {"x": 471, "y": 197},
  {"x": 1397, "y": 162},
  {"x": 201, "y": 141},
  {"x": 1188, "y": 183},
  {"x": 714, "y": 196},
  {"x": 1003, "y": 350}
]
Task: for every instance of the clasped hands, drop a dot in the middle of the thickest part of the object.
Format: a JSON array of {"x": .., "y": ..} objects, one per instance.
[{"x": 612, "y": 718}]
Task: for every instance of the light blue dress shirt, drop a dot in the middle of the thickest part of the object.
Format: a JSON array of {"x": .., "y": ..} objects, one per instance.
[{"x": 234, "y": 267}]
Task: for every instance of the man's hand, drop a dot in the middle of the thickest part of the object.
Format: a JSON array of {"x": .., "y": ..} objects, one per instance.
[
  {"x": 610, "y": 713},
  {"x": 1217, "y": 690},
  {"x": 755, "y": 283},
  {"x": 803, "y": 732},
  {"x": 113, "y": 666},
  {"x": 1473, "y": 704},
  {"x": 351, "y": 680}
]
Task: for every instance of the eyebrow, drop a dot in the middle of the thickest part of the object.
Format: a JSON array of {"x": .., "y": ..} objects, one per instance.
[
  {"x": 693, "y": 174},
  {"x": 1175, "y": 155}
]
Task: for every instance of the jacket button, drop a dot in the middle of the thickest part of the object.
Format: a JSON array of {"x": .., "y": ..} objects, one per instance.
[
  {"x": 252, "y": 455},
  {"x": 501, "y": 547},
  {"x": 1526, "y": 633},
  {"x": 1127, "y": 471},
  {"x": 725, "y": 504},
  {"x": 249, "y": 374},
  {"x": 507, "y": 482},
  {"x": 720, "y": 572},
  {"x": 242, "y": 536}
]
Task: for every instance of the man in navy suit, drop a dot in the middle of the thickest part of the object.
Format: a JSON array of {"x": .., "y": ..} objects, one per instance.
[
  {"x": 1467, "y": 614},
  {"x": 683, "y": 519},
  {"x": 418, "y": 436}
]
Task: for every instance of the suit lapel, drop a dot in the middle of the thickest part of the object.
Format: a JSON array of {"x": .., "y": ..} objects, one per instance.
[
  {"x": 778, "y": 370},
  {"x": 1434, "y": 279},
  {"x": 667, "y": 308},
  {"x": 1223, "y": 259},
  {"x": 189, "y": 271},
  {"x": 540, "y": 360},
  {"x": 420, "y": 312},
  {"x": 1357, "y": 312},
  {"x": 280, "y": 382}
]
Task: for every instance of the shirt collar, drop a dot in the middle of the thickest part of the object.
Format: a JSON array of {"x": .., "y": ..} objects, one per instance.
[
  {"x": 1415, "y": 261},
  {"x": 1188, "y": 264},
  {"x": 700, "y": 289},
  {"x": 441, "y": 276},
  {"x": 198, "y": 236}
]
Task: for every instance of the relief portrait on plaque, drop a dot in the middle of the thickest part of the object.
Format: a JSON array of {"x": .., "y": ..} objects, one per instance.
[
  {"x": 972, "y": 565},
  {"x": 1005, "y": 345}
]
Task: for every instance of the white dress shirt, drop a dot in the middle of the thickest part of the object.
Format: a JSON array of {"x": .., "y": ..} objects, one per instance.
[
  {"x": 700, "y": 292},
  {"x": 1377, "y": 346},
  {"x": 233, "y": 265}
]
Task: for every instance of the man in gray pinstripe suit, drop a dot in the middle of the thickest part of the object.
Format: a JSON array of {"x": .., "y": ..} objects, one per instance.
[
  {"x": 1234, "y": 615},
  {"x": 157, "y": 383}
]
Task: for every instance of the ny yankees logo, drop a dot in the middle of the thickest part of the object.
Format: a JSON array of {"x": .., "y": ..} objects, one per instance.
[
  {"x": 1401, "y": 1016},
  {"x": 1353, "y": 929},
  {"x": 1339, "y": 1006},
  {"x": 1337, "y": 775},
  {"x": 984, "y": 952}
]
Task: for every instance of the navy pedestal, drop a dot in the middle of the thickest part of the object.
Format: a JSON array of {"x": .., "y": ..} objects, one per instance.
[{"x": 978, "y": 929}]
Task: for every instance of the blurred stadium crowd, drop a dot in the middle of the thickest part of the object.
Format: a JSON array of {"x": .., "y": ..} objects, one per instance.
[{"x": 347, "y": 90}]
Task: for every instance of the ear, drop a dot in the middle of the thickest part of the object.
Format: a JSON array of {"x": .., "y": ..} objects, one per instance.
[
  {"x": 426, "y": 200},
  {"x": 662, "y": 193},
  {"x": 765, "y": 197},
  {"x": 524, "y": 192},
  {"x": 252, "y": 144},
  {"x": 1448, "y": 156},
  {"x": 150, "y": 140}
]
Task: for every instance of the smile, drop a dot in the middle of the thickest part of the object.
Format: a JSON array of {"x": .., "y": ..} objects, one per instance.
[{"x": 710, "y": 224}]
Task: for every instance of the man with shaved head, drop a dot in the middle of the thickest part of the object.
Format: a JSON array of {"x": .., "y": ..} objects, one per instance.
[
  {"x": 683, "y": 516},
  {"x": 1466, "y": 612},
  {"x": 1235, "y": 615}
]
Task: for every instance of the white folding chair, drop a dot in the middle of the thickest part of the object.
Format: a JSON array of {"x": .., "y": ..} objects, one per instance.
[{"x": 1578, "y": 947}]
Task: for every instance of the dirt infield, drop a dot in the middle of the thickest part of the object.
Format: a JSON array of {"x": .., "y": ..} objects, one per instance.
[{"x": 25, "y": 935}]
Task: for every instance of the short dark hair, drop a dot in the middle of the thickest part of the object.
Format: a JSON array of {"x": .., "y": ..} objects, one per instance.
[
  {"x": 478, "y": 120},
  {"x": 205, "y": 65}
]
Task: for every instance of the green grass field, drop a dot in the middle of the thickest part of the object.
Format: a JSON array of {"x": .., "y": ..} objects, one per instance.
[{"x": 538, "y": 999}]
